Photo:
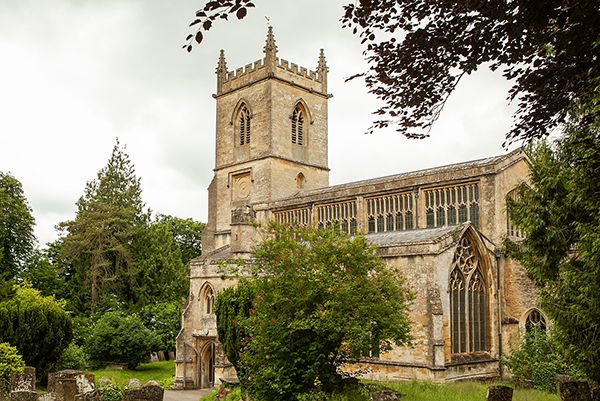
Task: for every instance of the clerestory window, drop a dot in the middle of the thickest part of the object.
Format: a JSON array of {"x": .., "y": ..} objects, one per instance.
[
  {"x": 244, "y": 125},
  {"x": 298, "y": 125}
]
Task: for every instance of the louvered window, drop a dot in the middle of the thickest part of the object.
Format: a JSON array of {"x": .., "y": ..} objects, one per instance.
[
  {"x": 244, "y": 125},
  {"x": 298, "y": 126}
]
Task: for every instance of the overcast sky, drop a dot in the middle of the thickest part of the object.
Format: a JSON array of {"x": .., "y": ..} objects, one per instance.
[{"x": 76, "y": 74}]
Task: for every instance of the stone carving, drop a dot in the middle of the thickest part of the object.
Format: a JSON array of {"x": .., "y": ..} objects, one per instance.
[
  {"x": 242, "y": 215},
  {"x": 499, "y": 393}
]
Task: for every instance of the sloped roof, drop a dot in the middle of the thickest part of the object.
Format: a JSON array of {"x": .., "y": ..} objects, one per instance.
[{"x": 425, "y": 235}]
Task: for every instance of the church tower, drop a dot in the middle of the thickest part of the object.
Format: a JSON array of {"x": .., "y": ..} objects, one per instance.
[{"x": 271, "y": 139}]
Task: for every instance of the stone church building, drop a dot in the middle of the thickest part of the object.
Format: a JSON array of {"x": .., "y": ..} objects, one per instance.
[{"x": 443, "y": 227}]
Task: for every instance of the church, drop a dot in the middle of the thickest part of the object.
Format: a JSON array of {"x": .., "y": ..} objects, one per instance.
[{"x": 442, "y": 227}]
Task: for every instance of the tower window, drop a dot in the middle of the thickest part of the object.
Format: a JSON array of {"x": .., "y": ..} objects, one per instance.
[
  {"x": 244, "y": 125},
  {"x": 298, "y": 125}
]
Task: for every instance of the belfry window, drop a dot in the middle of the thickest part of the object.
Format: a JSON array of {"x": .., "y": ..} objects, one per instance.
[
  {"x": 468, "y": 301},
  {"x": 244, "y": 125},
  {"x": 298, "y": 125}
]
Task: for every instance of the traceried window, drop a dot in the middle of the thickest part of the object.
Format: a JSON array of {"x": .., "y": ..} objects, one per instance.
[
  {"x": 452, "y": 205},
  {"x": 244, "y": 125},
  {"x": 535, "y": 319},
  {"x": 209, "y": 300},
  {"x": 340, "y": 216},
  {"x": 390, "y": 213},
  {"x": 468, "y": 301},
  {"x": 298, "y": 125}
]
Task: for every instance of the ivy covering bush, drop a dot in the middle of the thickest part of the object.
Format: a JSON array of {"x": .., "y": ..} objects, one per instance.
[
  {"x": 11, "y": 363},
  {"x": 539, "y": 360}
]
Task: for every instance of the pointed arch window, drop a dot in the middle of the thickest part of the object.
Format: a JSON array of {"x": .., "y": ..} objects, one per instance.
[
  {"x": 535, "y": 319},
  {"x": 469, "y": 320},
  {"x": 298, "y": 125},
  {"x": 244, "y": 125},
  {"x": 208, "y": 300}
]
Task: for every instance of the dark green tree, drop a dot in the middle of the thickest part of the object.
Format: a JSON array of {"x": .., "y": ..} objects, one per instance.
[
  {"x": 164, "y": 319},
  {"x": 17, "y": 241},
  {"x": 121, "y": 338},
  {"x": 560, "y": 213},
  {"x": 418, "y": 52},
  {"x": 187, "y": 235},
  {"x": 97, "y": 246},
  {"x": 38, "y": 326},
  {"x": 320, "y": 300}
]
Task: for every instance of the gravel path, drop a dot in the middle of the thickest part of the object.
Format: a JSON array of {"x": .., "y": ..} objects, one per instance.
[{"x": 185, "y": 395}]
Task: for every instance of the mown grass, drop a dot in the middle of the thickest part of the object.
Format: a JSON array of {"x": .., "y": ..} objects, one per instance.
[
  {"x": 163, "y": 372},
  {"x": 428, "y": 391},
  {"x": 461, "y": 391}
]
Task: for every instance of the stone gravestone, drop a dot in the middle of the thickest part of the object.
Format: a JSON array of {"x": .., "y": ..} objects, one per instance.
[
  {"x": 573, "y": 390},
  {"x": 385, "y": 395},
  {"x": 22, "y": 386},
  {"x": 73, "y": 385},
  {"x": 150, "y": 391},
  {"x": 499, "y": 393}
]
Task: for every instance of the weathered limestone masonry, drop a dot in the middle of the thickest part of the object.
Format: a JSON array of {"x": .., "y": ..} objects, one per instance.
[{"x": 442, "y": 227}]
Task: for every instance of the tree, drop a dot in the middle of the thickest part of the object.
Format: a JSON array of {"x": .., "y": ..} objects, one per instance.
[
  {"x": 164, "y": 319},
  {"x": 98, "y": 244},
  {"x": 419, "y": 51},
  {"x": 560, "y": 213},
  {"x": 321, "y": 299},
  {"x": 187, "y": 234},
  {"x": 122, "y": 338},
  {"x": 17, "y": 240},
  {"x": 37, "y": 326}
]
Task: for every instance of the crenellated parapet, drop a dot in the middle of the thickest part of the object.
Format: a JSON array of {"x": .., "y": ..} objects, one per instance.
[{"x": 271, "y": 66}]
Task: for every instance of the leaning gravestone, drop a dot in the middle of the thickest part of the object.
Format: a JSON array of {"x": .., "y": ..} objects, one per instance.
[
  {"x": 22, "y": 386},
  {"x": 73, "y": 385},
  {"x": 499, "y": 393},
  {"x": 24, "y": 381},
  {"x": 573, "y": 390},
  {"x": 150, "y": 391}
]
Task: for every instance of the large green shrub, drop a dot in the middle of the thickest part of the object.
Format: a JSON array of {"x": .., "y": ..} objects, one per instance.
[
  {"x": 37, "y": 326},
  {"x": 11, "y": 363},
  {"x": 164, "y": 319},
  {"x": 539, "y": 360},
  {"x": 121, "y": 338}
]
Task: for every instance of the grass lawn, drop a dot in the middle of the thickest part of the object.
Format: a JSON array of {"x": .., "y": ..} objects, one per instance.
[
  {"x": 428, "y": 391},
  {"x": 162, "y": 372},
  {"x": 462, "y": 391}
]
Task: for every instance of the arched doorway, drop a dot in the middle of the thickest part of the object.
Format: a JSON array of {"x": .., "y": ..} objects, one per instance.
[{"x": 207, "y": 366}]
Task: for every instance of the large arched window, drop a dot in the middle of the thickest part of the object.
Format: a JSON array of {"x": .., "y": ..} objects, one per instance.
[
  {"x": 468, "y": 301},
  {"x": 244, "y": 125},
  {"x": 298, "y": 130}
]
